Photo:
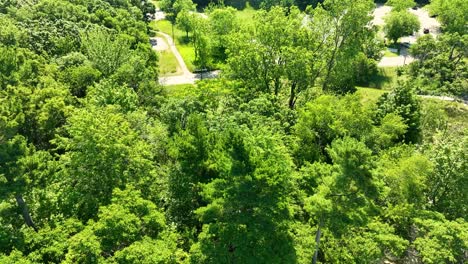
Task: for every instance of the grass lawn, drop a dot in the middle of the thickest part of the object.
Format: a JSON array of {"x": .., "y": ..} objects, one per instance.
[
  {"x": 246, "y": 16},
  {"x": 457, "y": 113},
  {"x": 388, "y": 53},
  {"x": 168, "y": 65},
  {"x": 186, "y": 49},
  {"x": 179, "y": 90},
  {"x": 384, "y": 79},
  {"x": 369, "y": 95}
]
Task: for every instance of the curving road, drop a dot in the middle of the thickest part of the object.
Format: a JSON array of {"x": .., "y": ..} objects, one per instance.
[{"x": 186, "y": 77}]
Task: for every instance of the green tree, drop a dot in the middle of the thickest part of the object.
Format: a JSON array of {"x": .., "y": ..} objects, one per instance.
[
  {"x": 347, "y": 20},
  {"x": 453, "y": 14},
  {"x": 119, "y": 157},
  {"x": 400, "y": 5},
  {"x": 446, "y": 183},
  {"x": 174, "y": 7},
  {"x": 441, "y": 65},
  {"x": 404, "y": 102},
  {"x": 442, "y": 241},
  {"x": 345, "y": 190},
  {"x": 325, "y": 119},
  {"x": 399, "y": 24},
  {"x": 247, "y": 217},
  {"x": 105, "y": 51},
  {"x": 201, "y": 42},
  {"x": 185, "y": 21},
  {"x": 223, "y": 23}
]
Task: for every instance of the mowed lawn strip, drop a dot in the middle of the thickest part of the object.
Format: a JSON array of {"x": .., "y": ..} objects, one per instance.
[
  {"x": 168, "y": 65},
  {"x": 185, "y": 48}
]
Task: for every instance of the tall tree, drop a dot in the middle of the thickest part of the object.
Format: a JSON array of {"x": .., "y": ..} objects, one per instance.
[
  {"x": 247, "y": 216},
  {"x": 399, "y": 24},
  {"x": 453, "y": 14}
]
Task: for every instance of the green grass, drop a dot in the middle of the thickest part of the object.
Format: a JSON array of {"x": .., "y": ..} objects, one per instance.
[
  {"x": 179, "y": 90},
  {"x": 384, "y": 79},
  {"x": 246, "y": 16},
  {"x": 457, "y": 112},
  {"x": 186, "y": 49},
  {"x": 168, "y": 65},
  {"x": 388, "y": 53},
  {"x": 369, "y": 96}
]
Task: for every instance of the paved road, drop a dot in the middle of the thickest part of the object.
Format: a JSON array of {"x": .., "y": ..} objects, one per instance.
[{"x": 403, "y": 59}]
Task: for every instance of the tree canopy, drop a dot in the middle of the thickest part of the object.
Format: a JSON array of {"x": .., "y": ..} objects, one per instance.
[{"x": 283, "y": 158}]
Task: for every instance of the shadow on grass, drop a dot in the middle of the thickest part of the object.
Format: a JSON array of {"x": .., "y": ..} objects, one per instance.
[{"x": 384, "y": 78}]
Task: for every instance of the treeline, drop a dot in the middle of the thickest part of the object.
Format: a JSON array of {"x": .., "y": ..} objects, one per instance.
[
  {"x": 302, "y": 4},
  {"x": 277, "y": 161}
]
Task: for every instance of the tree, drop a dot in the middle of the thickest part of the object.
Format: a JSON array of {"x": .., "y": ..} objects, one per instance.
[
  {"x": 223, "y": 23},
  {"x": 441, "y": 241},
  {"x": 400, "y": 5},
  {"x": 404, "y": 102},
  {"x": 445, "y": 184},
  {"x": 348, "y": 21},
  {"x": 247, "y": 217},
  {"x": 201, "y": 42},
  {"x": 345, "y": 190},
  {"x": 441, "y": 65},
  {"x": 325, "y": 119},
  {"x": 174, "y": 7},
  {"x": 185, "y": 21},
  {"x": 453, "y": 14},
  {"x": 275, "y": 59},
  {"x": 399, "y": 24},
  {"x": 119, "y": 157},
  {"x": 105, "y": 51}
]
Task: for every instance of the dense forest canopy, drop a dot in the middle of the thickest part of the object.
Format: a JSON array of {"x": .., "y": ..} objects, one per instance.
[{"x": 285, "y": 158}]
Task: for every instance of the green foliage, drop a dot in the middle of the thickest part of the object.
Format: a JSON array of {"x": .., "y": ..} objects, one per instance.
[
  {"x": 265, "y": 164},
  {"x": 441, "y": 67},
  {"x": 123, "y": 158},
  {"x": 441, "y": 241},
  {"x": 106, "y": 54},
  {"x": 400, "y": 5},
  {"x": 247, "y": 216},
  {"x": 400, "y": 24},
  {"x": 403, "y": 101},
  {"x": 325, "y": 119},
  {"x": 452, "y": 14},
  {"x": 446, "y": 183}
]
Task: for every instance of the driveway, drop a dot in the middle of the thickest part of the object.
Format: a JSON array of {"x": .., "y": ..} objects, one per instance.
[{"x": 426, "y": 22}]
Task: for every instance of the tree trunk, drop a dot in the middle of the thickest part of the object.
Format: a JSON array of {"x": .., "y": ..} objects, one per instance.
[
  {"x": 292, "y": 96},
  {"x": 318, "y": 235},
  {"x": 173, "y": 40},
  {"x": 25, "y": 212}
]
